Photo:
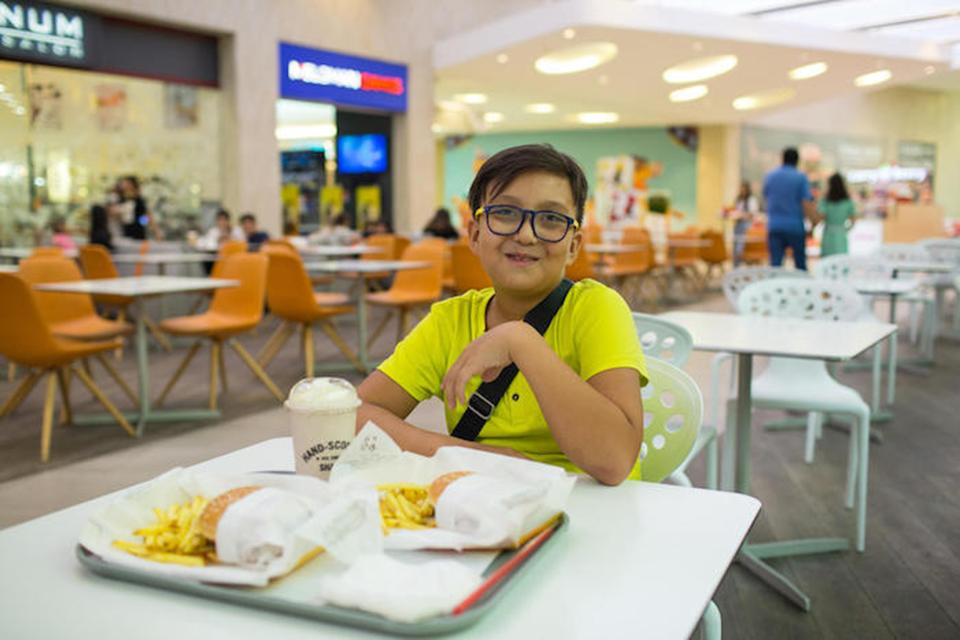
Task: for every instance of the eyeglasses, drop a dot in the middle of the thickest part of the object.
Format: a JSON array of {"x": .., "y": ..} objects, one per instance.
[{"x": 506, "y": 220}]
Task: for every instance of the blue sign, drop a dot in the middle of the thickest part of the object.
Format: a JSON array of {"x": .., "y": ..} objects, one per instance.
[{"x": 313, "y": 74}]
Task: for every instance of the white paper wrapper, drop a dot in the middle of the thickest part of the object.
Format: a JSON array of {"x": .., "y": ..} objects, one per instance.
[
  {"x": 506, "y": 499},
  {"x": 269, "y": 533}
]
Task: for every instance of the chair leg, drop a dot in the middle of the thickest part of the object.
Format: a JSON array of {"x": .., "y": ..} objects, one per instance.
[
  {"x": 380, "y": 327},
  {"x": 712, "y": 625},
  {"x": 109, "y": 406},
  {"x": 256, "y": 369},
  {"x": 863, "y": 466},
  {"x": 63, "y": 377},
  {"x": 21, "y": 392},
  {"x": 223, "y": 371},
  {"x": 852, "y": 461},
  {"x": 891, "y": 368},
  {"x": 215, "y": 347},
  {"x": 85, "y": 365},
  {"x": 308, "y": 349},
  {"x": 274, "y": 343},
  {"x": 118, "y": 352},
  {"x": 177, "y": 373},
  {"x": 46, "y": 428},
  {"x": 338, "y": 340},
  {"x": 11, "y": 371},
  {"x": 116, "y": 378},
  {"x": 813, "y": 418},
  {"x": 158, "y": 335}
]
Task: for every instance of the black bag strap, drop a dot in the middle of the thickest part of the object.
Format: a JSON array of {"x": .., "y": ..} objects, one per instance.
[{"x": 481, "y": 404}]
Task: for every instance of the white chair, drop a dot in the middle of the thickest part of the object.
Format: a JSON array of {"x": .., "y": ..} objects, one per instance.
[
  {"x": 670, "y": 342},
  {"x": 946, "y": 251},
  {"x": 920, "y": 299},
  {"x": 805, "y": 385}
]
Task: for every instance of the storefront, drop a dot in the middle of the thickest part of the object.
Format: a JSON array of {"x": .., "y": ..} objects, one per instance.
[
  {"x": 87, "y": 99},
  {"x": 334, "y": 129}
]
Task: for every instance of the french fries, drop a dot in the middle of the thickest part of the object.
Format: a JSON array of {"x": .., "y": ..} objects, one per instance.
[
  {"x": 405, "y": 506},
  {"x": 174, "y": 538}
]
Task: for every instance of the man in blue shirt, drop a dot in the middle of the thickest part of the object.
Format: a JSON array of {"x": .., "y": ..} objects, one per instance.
[{"x": 788, "y": 199}]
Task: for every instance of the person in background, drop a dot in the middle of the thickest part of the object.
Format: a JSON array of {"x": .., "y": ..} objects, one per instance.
[
  {"x": 377, "y": 227},
  {"x": 100, "y": 227},
  {"x": 745, "y": 209},
  {"x": 131, "y": 209},
  {"x": 255, "y": 237},
  {"x": 440, "y": 226},
  {"x": 789, "y": 201},
  {"x": 60, "y": 237},
  {"x": 221, "y": 231},
  {"x": 838, "y": 215}
]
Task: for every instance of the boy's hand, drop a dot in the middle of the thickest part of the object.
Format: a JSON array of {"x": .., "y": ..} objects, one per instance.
[{"x": 485, "y": 357}]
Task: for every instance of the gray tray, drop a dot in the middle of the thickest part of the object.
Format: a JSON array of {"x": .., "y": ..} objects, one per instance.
[{"x": 262, "y": 598}]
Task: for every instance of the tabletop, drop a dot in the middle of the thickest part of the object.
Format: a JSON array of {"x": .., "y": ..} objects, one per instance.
[
  {"x": 365, "y": 266},
  {"x": 920, "y": 266},
  {"x": 615, "y": 248},
  {"x": 884, "y": 286},
  {"x": 788, "y": 337},
  {"x": 8, "y": 268},
  {"x": 686, "y": 243},
  {"x": 160, "y": 258},
  {"x": 320, "y": 250},
  {"x": 636, "y": 557},
  {"x": 138, "y": 286},
  {"x": 20, "y": 253}
]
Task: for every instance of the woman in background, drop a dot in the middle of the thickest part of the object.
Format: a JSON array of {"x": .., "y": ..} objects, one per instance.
[
  {"x": 745, "y": 208},
  {"x": 440, "y": 226},
  {"x": 100, "y": 227},
  {"x": 60, "y": 237},
  {"x": 838, "y": 215}
]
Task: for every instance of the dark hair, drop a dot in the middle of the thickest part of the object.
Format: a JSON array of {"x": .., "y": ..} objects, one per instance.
[
  {"x": 505, "y": 166},
  {"x": 248, "y": 216},
  {"x": 223, "y": 213},
  {"x": 744, "y": 185},
  {"x": 57, "y": 223},
  {"x": 836, "y": 189},
  {"x": 98, "y": 217},
  {"x": 790, "y": 156}
]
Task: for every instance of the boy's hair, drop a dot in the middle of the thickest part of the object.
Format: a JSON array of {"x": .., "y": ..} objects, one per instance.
[
  {"x": 790, "y": 157},
  {"x": 502, "y": 168},
  {"x": 248, "y": 216}
]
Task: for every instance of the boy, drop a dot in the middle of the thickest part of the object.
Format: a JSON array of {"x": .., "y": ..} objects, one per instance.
[
  {"x": 255, "y": 237},
  {"x": 576, "y": 400}
]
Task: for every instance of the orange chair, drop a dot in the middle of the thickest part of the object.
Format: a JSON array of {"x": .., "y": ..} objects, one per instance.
[
  {"x": 47, "y": 252},
  {"x": 630, "y": 271},
  {"x": 292, "y": 299},
  {"x": 26, "y": 340},
  {"x": 412, "y": 288},
  {"x": 289, "y": 248},
  {"x": 144, "y": 250},
  {"x": 715, "y": 253},
  {"x": 468, "y": 272},
  {"x": 231, "y": 248},
  {"x": 283, "y": 247},
  {"x": 444, "y": 247},
  {"x": 232, "y": 311},
  {"x": 72, "y": 315},
  {"x": 755, "y": 249},
  {"x": 685, "y": 260},
  {"x": 581, "y": 267},
  {"x": 387, "y": 243},
  {"x": 592, "y": 234}
]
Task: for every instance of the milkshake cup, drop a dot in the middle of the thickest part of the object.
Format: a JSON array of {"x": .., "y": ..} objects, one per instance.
[{"x": 322, "y": 414}]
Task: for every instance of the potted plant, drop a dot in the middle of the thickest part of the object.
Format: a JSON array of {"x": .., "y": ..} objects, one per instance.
[{"x": 658, "y": 203}]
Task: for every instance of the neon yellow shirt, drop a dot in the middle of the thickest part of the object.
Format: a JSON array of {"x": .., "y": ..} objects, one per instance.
[{"x": 592, "y": 332}]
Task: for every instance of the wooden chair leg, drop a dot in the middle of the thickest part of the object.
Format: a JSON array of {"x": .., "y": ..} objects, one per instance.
[
  {"x": 380, "y": 327},
  {"x": 20, "y": 393},
  {"x": 63, "y": 377},
  {"x": 341, "y": 344},
  {"x": 177, "y": 373},
  {"x": 11, "y": 371},
  {"x": 116, "y": 378},
  {"x": 223, "y": 371},
  {"x": 284, "y": 331},
  {"x": 109, "y": 406},
  {"x": 215, "y": 347},
  {"x": 308, "y": 349},
  {"x": 402, "y": 323},
  {"x": 269, "y": 345},
  {"x": 157, "y": 334},
  {"x": 118, "y": 352},
  {"x": 256, "y": 369},
  {"x": 46, "y": 428},
  {"x": 85, "y": 365}
]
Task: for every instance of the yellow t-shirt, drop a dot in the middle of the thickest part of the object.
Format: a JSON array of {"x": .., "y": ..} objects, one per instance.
[{"x": 592, "y": 331}]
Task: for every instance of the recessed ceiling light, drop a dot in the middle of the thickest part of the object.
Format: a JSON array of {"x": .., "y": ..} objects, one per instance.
[
  {"x": 540, "y": 107},
  {"x": 436, "y": 127},
  {"x": 807, "y": 71},
  {"x": 576, "y": 59},
  {"x": 872, "y": 78},
  {"x": 929, "y": 69},
  {"x": 569, "y": 34},
  {"x": 699, "y": 69},
  {"x": 502, "y": 58},
  {"x": 471, "y": 98},
  {"x": 492, "y": 117},
  {"x": 688, "y": 94},
  {"x": 597, "y": 117},
  {"x": 763, "y": 99}
]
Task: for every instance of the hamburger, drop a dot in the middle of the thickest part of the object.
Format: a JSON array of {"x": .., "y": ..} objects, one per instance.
[
  {"x": 210, "y": 516},
  {"x": 438, "y": 486}
]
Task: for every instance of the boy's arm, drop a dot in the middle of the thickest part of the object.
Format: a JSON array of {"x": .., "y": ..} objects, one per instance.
[
  {"x": 574, "y": 409},
  {"x": 387, "y": 404}
]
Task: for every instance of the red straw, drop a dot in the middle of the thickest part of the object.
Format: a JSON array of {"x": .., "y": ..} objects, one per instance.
[{"x": 497, "y": 576}]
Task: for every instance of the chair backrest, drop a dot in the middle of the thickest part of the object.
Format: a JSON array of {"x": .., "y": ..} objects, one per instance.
[
  {"x": 902, "y": 252},
  {"x": 662, "y": 339},
  {"x": 96, "y": 262},
  {"x": 735, "y": 281},
  {"x": 289, "y": 290},
  {"x": 582, "y": 265},
  {"x": 386, "y": 242},
  {"x": 280, "y": 244},
  {"x": 716, "y": 251},
  {"x": 47, "y": 252},
  {"x": 683, "y": 254},
  {"x": 672, "y": 413},
  {"x": 400, "y": 245},
  {"x": 231, "y": 248},
  {"x": 143, "y": 250},
  {"x": 846, "y": 267},
  {"x": 801, "y": 298},
  {"x": 427, "y": 282},
  {"x": 244, "y": 301},
  {"x": 944, "y": 250},
  {"x": 592, "y": 234},
  {"x": 755, "y": 248},
  {"x": 468, "y": 272},
  {"x": 56, "y": 307},
  {"x": 641, "y": 259},
  {"x": 23, "y": 333}
]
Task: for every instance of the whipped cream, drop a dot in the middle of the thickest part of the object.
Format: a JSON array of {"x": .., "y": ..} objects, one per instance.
[{"x": 323, "y": 394}]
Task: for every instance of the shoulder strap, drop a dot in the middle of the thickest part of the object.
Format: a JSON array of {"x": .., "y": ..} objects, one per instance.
[{"x": 481, "y": 404}]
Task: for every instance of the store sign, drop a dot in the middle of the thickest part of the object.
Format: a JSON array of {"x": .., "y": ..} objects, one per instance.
[
  {"x": 45, "y": 33},
  {"x": 313, "y": 74}
]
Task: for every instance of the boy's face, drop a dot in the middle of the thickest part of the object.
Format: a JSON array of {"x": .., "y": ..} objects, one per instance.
[
  {"x": 522, "y": 264},
  {"x": 249, "y": 226}
]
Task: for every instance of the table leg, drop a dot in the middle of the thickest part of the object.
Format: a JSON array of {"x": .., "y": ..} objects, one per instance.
[
  {"x": 744, "y": 378},
  {"x": 143, "y": 368},
  {"x": 361, "y": 286}
]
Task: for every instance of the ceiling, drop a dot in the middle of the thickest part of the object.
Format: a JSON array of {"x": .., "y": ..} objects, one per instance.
[{"x": 498, "y": 59}]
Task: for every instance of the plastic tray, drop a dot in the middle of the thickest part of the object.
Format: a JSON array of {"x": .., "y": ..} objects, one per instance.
[{"x": 274, "y": 597}]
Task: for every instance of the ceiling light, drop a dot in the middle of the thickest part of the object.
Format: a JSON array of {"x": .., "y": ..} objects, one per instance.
[
  {"x": 492, "y": 117},
  {"x": 688, "y": 94},
  {"x": 569, "y": 34},
  {"x": 807, "y": 71},
  {"x": 20, "y": 111},
  {"x": 597, "y": 117},
  {"x": 298, "y": 131},
  {"x": 763, "y": 99},
  {"x": 929, "y": 69},
  {"x": 471, "y": 98},
  {"x": 2, "y": 88},
  {"x": 699, "y": 69},
  {"x": 872, "y": 78},
  {"x": 540, "y": 107},
  {"x": 436, "y": 127},
  {"x": 575, "y": 59},
  {"x": 502, "y": 58}
]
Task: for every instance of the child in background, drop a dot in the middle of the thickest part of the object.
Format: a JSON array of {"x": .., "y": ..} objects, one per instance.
[
  {"x": 576, "y": 400},
  {"x": 838, "y": 215},
  {"x": 60, "y": 237}
]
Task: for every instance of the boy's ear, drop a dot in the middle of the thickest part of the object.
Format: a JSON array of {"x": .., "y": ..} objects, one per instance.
[
  {"x": 575, "y": 246},
  {"x": 473, "y": 234}
]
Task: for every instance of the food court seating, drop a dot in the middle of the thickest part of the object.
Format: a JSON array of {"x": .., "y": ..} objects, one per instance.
[
  {"x": 411, "y": 288},
  {"x": 468, "y": 271},
  {"x": 582, "y": 266},
  {"x": 684, "y": 260},
  {"x": 26, "y": 339},
  {"x": 714, "y": 254},
  {"x": 920, "y": 298},
  {"x": 629, "y": 271},
  {"x": 946, "y": 251},
  {"x": 755, "y": 250}
]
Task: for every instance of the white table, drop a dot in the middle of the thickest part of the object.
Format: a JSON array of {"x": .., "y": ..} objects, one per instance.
[
  {"x": 336, "y": 251},
  {"x": 357, "y": 269},
  {"x": 19, "y": 253},
  {"x": 612, "y": 249},
  {"x": 8, "y": 268},
  {"x": 637, "y": 560},
  {"x": 161, "y": 260},
  {"x": 140, "y": 288},
  {"x": 747, "y": 336}
]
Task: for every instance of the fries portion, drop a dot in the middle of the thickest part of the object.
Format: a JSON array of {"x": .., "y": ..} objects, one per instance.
[
  {"x": 174, "y": 538},
  {"x": 405, "y": 506}
]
